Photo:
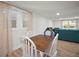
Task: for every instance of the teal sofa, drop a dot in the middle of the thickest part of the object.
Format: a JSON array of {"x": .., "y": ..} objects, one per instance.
[{"x": 68, "y": 35}]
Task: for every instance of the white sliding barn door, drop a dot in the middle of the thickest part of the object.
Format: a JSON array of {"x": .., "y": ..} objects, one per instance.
[{"x": 19, "y": 26}]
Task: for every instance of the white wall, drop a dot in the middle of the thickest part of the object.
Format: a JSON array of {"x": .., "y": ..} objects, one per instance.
[
  {"x": 40, "y": 24},
  {"x": 56, "y": 24}
]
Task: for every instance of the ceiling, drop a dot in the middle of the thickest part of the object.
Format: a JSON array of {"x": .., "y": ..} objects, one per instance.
[{"x": 49, "y": 9}]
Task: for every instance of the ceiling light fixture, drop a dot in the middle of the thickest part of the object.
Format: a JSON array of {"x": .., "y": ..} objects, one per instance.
[{"x": 57, "y": 13}]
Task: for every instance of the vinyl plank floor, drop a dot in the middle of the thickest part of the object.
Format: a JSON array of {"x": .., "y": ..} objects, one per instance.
[{"x": 65, "y": 49}]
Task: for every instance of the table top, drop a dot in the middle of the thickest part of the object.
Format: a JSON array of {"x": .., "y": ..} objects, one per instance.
[{"x": 42, "y": 42}]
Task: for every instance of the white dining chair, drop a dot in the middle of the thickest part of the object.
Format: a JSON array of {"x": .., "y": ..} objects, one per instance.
[
  {"x": 29, "y": 48},
  {"x": 52, "y": 50}
]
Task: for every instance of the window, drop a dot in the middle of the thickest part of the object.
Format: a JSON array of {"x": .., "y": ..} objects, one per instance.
[
  {"x": 13, "y": 18},
  {"x": 13, "y": 23},
  {"x": 69, "y": 24}
]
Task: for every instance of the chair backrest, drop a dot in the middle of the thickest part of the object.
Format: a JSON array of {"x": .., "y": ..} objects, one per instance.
[
  {"x": 53, "y": 47},
  {"x": 49, "y": 33},
  {"x": 29, "y": 48}
]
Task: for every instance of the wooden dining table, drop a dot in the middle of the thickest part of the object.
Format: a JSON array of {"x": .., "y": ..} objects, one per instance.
[{"x": 42, "y": 42}]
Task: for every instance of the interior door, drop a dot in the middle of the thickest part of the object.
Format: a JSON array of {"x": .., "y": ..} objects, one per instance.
[{"x": 19, "y": 28}]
